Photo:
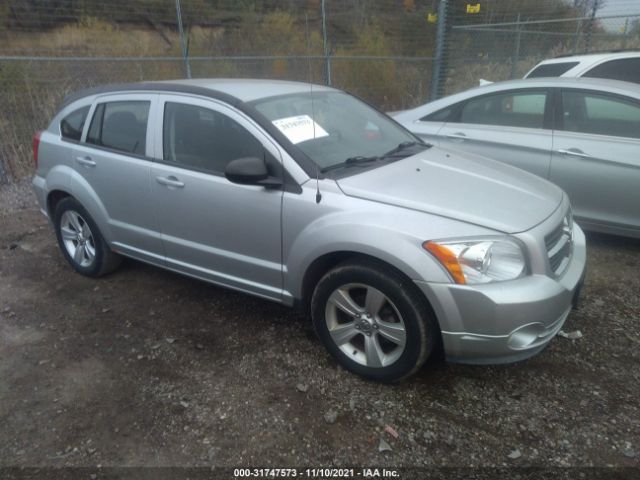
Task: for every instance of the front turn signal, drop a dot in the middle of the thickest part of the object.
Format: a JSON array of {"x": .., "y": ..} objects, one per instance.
[{"x": 448, "y": 259}]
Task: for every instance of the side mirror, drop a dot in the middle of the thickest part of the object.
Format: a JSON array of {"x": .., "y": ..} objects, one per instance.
[{"x": 250, "y": 171}]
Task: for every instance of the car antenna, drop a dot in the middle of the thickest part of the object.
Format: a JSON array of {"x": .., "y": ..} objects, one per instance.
[{"x": 313, "y": 113}]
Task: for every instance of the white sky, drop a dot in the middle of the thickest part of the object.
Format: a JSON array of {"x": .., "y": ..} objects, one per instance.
[{"x": 619, "y": 7}]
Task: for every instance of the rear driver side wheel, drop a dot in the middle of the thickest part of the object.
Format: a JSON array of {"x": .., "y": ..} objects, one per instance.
[
  {"x": 80, "y": 240},
  {"x": 373, "y": 321}
]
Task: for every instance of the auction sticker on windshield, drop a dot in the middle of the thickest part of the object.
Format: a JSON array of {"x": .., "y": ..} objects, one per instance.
[{"x": 300, "y": 128}]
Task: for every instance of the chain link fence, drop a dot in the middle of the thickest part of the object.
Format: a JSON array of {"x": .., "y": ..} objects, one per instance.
[
  {"x": 509, "y": 49},
  {"x": 392, "y": 53},
  {"x": 49, "y": 48}
]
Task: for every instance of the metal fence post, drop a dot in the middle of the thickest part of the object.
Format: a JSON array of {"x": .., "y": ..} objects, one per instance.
[
  {"x": 577, "y": 40},
  {"x": 3, "y": 175},
  {"x": 183, "y": 44},
  {"x": 438, "y": 73},
  {"x": 325, "y": 45},
  {"x": 592, "y": 20},
  {"x": 516, "y": 52}
]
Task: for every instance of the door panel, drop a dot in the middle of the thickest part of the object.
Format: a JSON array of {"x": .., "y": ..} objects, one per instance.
[
  {"x": 525, "y": 148},
  {"x": 506, "y": 126},
  {"x": 224, "y": 232},
  {"x": 601, "y": 175},
  {"x": 212, "y": 228},
  {"x": 596, "y": 157},
  {"x": 121, "y": 179}
]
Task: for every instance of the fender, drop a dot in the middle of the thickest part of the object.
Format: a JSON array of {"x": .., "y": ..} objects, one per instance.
[
  {"x": 338, "y": 233},
  {"x": 57, "y": 179},
  {"x": 86, "y": 195}
]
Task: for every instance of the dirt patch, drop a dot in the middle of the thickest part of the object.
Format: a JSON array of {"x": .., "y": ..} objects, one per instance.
[{"x": 146, "y": 367}]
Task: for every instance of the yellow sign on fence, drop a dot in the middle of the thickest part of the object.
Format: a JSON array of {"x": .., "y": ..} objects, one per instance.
[
  {"x": 473, "y": 8},
  {"x": 432, "y": 17}
]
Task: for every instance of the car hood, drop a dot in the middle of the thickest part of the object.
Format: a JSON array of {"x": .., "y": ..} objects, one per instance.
[{"x": 460, "y": 186}]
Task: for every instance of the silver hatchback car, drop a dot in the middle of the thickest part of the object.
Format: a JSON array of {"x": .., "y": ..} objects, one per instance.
[{"x": 306, "y": 196}]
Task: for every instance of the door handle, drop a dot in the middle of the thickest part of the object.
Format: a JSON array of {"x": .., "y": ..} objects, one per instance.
[
  {"x": 457, "y": 136},
  {"x": 170, "y": 181},
  {"x": 574, "y": 152},
  {"x": 86, "y": 161}
]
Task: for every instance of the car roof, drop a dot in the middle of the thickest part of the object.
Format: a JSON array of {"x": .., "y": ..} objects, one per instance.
[
  {"x": 590, "y": 58},
  {"x": 249, "y": 89},
  {"x": 584, "y": 62},
  {"x": 229, "y": 89},
  {"x": 606, "y": 85},
  {"x": 575, "y": 82}
]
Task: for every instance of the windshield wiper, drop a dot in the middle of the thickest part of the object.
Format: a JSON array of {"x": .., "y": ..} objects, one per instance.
[
  {"x": 350, "y": 162},
  {"x": 404, "y": 146},
  {"x": 361, "y": 160}
]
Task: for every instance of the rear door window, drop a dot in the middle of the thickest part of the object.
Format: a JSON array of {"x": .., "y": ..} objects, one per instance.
[
  {"x": 71, "y": 126},
  {"x": 600, "y": 114},
  {"x": 625, "y": 69},
  {"x": 120, "y": 126},
  {"x": 551, "y": 69},
  {"x": 512, "y": 109}
]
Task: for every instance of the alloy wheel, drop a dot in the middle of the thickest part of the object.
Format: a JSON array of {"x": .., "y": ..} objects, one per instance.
[
  {"x": 366, "y": 325},
  {"x": 77, "y": 238}
]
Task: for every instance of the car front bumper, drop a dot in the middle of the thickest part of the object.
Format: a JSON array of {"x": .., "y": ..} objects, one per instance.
[{"x": 508, "y": 321}]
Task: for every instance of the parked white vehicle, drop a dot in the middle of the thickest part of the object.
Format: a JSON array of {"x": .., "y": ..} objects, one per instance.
[{"x": 623, "y": 66}]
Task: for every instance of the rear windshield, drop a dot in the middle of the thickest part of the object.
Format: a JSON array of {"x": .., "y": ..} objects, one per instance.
[
  {"x": 551, "y": 69},
  {"x": 625, "y": 69}
]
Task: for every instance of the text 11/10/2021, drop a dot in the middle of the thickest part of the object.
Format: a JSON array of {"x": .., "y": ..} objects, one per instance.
[{"x": 315, "y": 473}]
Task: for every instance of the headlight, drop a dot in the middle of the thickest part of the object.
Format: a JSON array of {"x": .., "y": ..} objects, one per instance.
[{"x": 479, "y": 260}]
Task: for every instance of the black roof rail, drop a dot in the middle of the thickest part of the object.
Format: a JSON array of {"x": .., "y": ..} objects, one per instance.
[{"x": 615, "y": 50}]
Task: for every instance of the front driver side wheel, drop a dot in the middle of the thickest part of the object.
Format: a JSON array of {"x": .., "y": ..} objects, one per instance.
[{"x": 373, "y": 320}]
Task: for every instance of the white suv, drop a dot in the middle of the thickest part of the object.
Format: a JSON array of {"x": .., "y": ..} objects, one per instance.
[{"x": 614, "y": 65}]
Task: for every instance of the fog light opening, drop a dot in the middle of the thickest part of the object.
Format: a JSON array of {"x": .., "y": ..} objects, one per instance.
[{"x": 525, "y": 336}]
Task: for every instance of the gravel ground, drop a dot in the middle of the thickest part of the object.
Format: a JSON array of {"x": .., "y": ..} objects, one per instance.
[{"x": 146, "y": 367}]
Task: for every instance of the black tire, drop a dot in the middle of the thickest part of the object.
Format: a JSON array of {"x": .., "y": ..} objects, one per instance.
[
  {"x": 402, "y": 297},
  {"x": 104, "y": 260}
]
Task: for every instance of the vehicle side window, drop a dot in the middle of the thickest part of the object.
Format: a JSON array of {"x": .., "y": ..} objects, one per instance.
[
  {"x": 205, "y": 139},
  {"x": 599, "y": 114},
  {"x": 625, "y": 69},
  {"x": 71, "y": 126},
  {"x": 551, "y": 69},
  {"x": 518, "y": 109},
  {"x": 443, "y": 115},
  {"x": 121, "y": 126}
]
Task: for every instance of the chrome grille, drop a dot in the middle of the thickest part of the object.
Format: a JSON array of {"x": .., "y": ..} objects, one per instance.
[{"x": 559, "y": 245}]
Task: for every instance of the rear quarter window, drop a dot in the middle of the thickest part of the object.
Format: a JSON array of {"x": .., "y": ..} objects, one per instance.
[
  {"x": 71, "y": 126},
  {"x": 551, "y": 69},
  {"x": 625, "y": 69},
  {"x": 444, "y": 115}
]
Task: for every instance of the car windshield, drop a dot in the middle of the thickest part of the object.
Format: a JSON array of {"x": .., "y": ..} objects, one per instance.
[{"x": 337, "y": 130}]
